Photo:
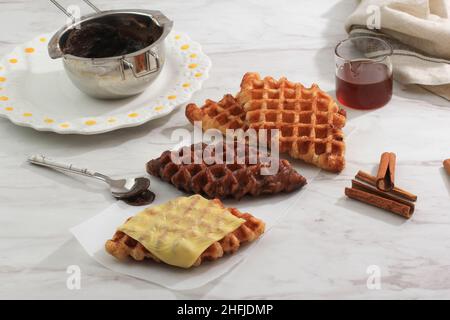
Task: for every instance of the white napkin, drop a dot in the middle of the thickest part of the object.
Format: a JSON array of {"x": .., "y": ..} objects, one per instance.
[{"x": 418, "y": 30}]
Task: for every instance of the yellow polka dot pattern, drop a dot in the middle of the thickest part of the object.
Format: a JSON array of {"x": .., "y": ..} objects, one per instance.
[{"x": 111, "y": 120}]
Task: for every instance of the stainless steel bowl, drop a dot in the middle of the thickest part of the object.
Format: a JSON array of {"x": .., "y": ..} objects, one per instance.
[{"x": 120, "y": 76}]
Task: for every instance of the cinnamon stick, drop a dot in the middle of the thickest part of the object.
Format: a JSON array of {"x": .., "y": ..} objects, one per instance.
[
  {"x": 386, "y": 172},
  {"x": 366, "y": 177},
  {"x": 447, "y": 165},
  {"x": 375, "y": 191},
  {"x": 380, "y": 202}
]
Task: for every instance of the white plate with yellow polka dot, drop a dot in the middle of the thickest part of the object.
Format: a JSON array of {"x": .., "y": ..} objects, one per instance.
[{"x": 36, "y": 92}]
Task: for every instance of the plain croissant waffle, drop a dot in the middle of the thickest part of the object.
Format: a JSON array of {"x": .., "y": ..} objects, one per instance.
[
  {"x": 309, "y": 120},
  {"x": 220, "y": 180},
  {"x": 222, "y": 115},
  {"x": 121, "y": 245}
]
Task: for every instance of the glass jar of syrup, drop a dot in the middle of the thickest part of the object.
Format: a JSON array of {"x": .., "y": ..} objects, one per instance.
[{"x": 363, "y": 72}]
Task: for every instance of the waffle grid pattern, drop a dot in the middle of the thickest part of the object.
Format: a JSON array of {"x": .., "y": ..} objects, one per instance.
[
  {"x": 222, "y": 115},
  {"x": 221, "y": 180},
  {"x": 309, "y": 121}
]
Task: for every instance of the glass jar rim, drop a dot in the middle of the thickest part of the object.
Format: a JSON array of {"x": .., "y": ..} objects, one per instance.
[{"x": 384, "y": 42}]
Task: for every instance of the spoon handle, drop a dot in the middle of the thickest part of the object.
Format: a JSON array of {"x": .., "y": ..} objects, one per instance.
[{"x": 45, "y": 162}]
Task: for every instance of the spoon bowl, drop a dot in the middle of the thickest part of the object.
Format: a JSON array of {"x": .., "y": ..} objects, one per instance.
[{"x": 126, "y": 188}]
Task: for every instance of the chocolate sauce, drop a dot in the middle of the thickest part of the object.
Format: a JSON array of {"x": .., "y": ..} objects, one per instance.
[
  {"x": 110, "y": 37},
  {"x": 142, "y": 199},
  {"x": 140, "y": 195}
]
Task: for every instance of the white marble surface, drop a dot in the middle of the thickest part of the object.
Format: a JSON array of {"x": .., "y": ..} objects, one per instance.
[{"x": 320, "y": 250}]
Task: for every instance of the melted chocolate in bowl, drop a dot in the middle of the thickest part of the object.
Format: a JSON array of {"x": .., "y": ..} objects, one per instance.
[{"x": 111, "y": 36}]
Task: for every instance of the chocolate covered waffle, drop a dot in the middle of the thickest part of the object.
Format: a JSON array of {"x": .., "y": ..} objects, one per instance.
[
  {"x": 184, "y": 232},
  {"x": 195, "y": 172},
  {"x": 309, "y": 121}
]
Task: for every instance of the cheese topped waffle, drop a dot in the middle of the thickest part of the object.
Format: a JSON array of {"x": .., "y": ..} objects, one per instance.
[{"x": 184, "y": 232}]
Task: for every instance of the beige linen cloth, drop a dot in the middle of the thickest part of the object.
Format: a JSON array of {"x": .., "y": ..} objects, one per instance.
[{"x": 419, "y": 32}]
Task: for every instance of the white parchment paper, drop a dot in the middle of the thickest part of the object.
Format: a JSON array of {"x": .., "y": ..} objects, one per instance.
[{"x": 93, "y": 233}]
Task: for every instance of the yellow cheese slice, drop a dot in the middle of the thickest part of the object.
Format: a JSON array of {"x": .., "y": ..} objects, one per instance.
[{"x": 178, "y": 231}]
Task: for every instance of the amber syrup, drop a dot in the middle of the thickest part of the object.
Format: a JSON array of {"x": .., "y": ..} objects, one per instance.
[{"x": 363, "y": 84}]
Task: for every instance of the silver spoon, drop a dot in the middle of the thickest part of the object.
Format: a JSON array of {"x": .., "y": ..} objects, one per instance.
[{"x": 121, "y": 189}]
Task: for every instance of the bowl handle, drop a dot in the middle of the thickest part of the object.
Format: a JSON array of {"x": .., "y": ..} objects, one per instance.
[{"x": 127, "y": 64}]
